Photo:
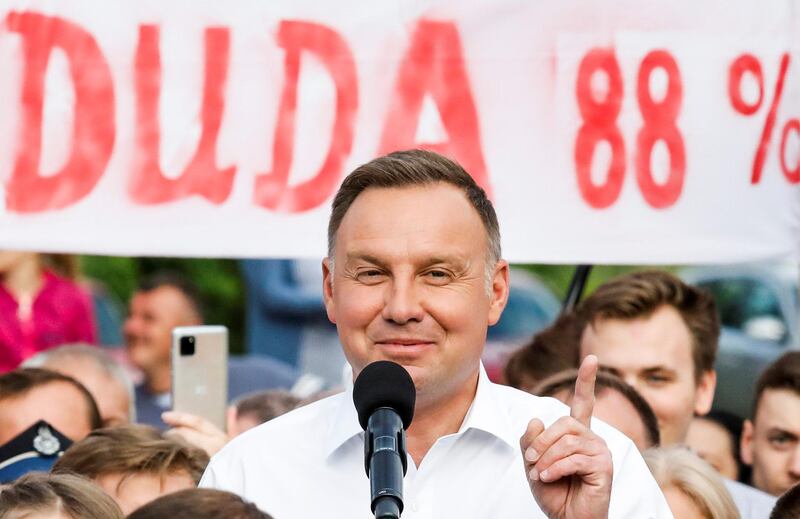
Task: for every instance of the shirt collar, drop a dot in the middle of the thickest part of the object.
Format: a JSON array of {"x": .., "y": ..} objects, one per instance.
[
  {"x": 488, "y": 414},
  {"x": 344, "y": 425},
  {"x": 485, "y": 414}
]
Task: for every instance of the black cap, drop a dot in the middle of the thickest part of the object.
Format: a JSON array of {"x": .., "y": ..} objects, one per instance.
[{"x": 384, "y": 384}]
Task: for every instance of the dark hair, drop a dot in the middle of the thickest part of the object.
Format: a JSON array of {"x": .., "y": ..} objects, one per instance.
[
  {"x": 131, "y": 449},
  {"x": 640, "y": 294},
  {"x": 565, "y": 381},
  {"x": 784, "y": 373},
  {"x": 263, "y": 406},
  {"x": 551, "y": 351},
  {"x": 788, "y": 505},
  {"x": 43, "y": 492},
  {"x": 413, "y": 168},
  {"x": 199, "y": 502},
  {"x": 18, "y": 383},
  {"x": 178, "y": 282}
]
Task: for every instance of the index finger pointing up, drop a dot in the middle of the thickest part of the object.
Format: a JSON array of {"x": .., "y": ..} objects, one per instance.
[{"x": 583, "y": 401}]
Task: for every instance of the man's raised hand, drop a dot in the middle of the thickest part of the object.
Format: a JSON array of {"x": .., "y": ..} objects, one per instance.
[{"x": 568, "y": 466}]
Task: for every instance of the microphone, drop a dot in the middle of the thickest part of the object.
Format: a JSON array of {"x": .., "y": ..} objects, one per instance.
[{"x": 384, "y": 395}]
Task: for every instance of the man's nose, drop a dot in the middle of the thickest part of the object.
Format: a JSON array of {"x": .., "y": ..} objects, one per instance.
[
  {"x": 402, "y": 303},
  {"x": 794, "y": 463},
  {"x": 130, "y": 326}
]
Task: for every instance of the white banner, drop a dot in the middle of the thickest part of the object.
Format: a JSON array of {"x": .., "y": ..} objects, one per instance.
[{"x": 605, "y": 132}]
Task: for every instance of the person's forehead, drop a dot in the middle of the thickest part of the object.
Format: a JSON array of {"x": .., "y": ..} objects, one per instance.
[
  {"x": 610, "y": 402},
  {"x": 162, "y": 300},
  {"x": 418, "y": 217},
  {"x": 779, "y": 408},
  {"x": 659, "y": 340}
]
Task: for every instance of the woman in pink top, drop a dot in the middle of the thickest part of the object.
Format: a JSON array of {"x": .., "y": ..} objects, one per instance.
[{"x": 38, "y": 309}]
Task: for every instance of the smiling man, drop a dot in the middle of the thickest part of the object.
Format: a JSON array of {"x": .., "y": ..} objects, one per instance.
[{"x": 414, "y": 275}]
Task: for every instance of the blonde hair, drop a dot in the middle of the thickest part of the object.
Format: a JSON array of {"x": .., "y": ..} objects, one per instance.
[
  {"x": 73, "y": 495},
  {"x": 680, "y": 468}
]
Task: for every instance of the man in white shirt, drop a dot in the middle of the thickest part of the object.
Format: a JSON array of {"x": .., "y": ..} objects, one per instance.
[
  {"x": 414, "y": 275},
  {"x": 660, "y": 336}
]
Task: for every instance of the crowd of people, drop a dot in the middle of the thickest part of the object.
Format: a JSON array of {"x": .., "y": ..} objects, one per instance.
[{"x": 88, "y": 432}]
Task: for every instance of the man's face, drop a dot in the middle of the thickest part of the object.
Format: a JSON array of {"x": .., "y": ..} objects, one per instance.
[
  {"x": 148, "y": 328},
  {"x": 654, "y": 355},
  {"x": 58, "y": 403},
  {"x": 409, "y": 286},
  {"x": 771, "y": 443},
  {"x": 132, "y": 491},
  {"x": 111, "y": 396},
  {"x": 712, "y": 442}
]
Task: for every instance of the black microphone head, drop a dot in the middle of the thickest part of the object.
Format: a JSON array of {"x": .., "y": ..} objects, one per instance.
[{"x": 384, "y": 384}]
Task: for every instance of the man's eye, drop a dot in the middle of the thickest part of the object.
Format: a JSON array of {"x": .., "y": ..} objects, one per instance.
[
  {"x": 370, "y": 276},
  {"x": 438, "y": 276},
  {"x": 780, "y": 440},
  {"x": 656, "y": 379}
]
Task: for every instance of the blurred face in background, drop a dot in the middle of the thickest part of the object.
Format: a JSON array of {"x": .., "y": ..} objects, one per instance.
[
  {"x": 58, "y": 403},
  {"x": 148, "y": 328},
  {"x": 110, "y": 394},
  {"x": 715, "y": 444},
  {"x": 616, "y": 410},
  {"x": 10, "y": 260},
  {"x": 654, "y": 355},
  {"x": 131, "y": 491},
  {"x": 771, "y": 442}
]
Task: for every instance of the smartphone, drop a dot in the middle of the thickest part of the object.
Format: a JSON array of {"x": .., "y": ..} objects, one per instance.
[{"x": 200, "y": 371}]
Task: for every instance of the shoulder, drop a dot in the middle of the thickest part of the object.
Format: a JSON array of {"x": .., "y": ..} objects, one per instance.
[
  {"x": 521, "y": 407},
  {"x": 750, "y": 501},
  {"x": 311, "y": 421}
]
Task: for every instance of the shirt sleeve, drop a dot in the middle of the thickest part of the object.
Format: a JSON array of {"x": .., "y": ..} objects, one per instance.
[{"x": 634, "y": 491}]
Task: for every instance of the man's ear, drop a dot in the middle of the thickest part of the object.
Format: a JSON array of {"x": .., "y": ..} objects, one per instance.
[
  {"x": 746, "y": 443},
  {"x": 500, "y": 290},
  {"x": 327, "y": 289},
  {"x": 704, "y": 396}
]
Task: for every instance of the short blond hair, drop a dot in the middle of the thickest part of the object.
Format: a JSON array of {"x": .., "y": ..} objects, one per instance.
[
  {"x": 680, "y": 468},
  {"x": 41, "y": 492},
  {"x": 131, "y": 449}
]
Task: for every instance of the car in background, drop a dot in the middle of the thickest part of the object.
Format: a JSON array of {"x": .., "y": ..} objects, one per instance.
[
  {"x": 759, "y": 314},
  {"x": 531, "y": 306}
]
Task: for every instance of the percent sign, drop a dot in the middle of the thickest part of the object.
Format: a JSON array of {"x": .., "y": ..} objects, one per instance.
[{"x": 747, "y": 63}]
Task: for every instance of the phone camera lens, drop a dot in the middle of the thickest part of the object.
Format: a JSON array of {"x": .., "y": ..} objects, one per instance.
[{"x": 187, "y": 346}]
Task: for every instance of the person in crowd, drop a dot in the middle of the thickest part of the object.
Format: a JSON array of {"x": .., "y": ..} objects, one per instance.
[
  {"x": 551, "y": 351},
  {"x": 692, "y": 487},
  {"x": 285, "y": 316},
  {"x": 199, "y": 502},
  {"x": 38, "y": 309},
  {"x": 41, "y": 413},
  {"x": 660, "y": 335},
  {"x": 99, "y": 372},
  {"x": 134, "y": 463},
  {"x": 788, "y": 505},
  {"x": 254, "y": 409},
  {"x": 244, "y": 414},
  {"x": 39, "y": 495},
  {"x": 771, "y": 438},
  {"x": 715, "y": 437},
  {"x": 616, "y": 403},
  {"x": 161, "y": 303},
  {"x": 414, "y": 275}
]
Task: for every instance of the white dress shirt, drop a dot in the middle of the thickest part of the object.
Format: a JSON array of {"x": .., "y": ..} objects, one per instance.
[
  {"x": 752, "y": 503},
  {"x": 310, "y": 463}
]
